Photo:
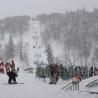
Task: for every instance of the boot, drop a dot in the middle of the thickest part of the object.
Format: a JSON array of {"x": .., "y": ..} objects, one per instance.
[
  {"x": 14, "y": 82},
  {"x": 50, "y": 82}
]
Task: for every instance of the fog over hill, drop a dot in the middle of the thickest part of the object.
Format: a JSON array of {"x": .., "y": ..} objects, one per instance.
[{"x": 73, "y": 37}]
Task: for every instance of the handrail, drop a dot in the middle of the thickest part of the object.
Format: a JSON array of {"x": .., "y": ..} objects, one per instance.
[
  {"x": 95, "y": 82},
  {"x": 66, "y": 85},
  {"x": 71, "y": 86}
]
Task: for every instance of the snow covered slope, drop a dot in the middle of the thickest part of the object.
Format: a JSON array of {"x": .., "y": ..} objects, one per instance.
[{"x": 35, "y": 88}]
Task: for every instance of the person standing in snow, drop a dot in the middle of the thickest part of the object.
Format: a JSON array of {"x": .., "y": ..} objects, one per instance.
[
  {"x": 54, "y": 73},
  {"x": 8, "y": 72},
  {"x": 11, "y": 72}
]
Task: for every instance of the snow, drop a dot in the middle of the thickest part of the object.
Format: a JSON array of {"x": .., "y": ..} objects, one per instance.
[
  {"x": 33, "y": 38},
  {"x": 36, "y": 88}
]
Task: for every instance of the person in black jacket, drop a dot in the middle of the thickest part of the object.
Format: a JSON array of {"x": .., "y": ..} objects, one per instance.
[
  {"x": 54, "y": 70},
  {"x": 11, "y": 72},
  {"x": 7, "y": 67}
]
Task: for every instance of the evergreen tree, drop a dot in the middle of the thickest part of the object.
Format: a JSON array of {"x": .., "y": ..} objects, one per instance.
[
  {"x": 40, "y": 72},
  {"x": 10, "y": 49},
  {"x": 47, "y": 71},
  {"x": 85, "y": 72},
  {"x": 64, "y": 73},
  {"x": 71, "y": 71},
  {"x": 91, "y": 71}
]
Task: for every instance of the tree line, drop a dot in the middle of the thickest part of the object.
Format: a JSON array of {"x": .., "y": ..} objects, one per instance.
[
  {"x": 66, "y": 73},
  {"x": 76, "y": 31}
]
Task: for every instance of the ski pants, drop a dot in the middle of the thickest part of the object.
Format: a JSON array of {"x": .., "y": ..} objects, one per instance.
[
  {"x": 53, "y": 79},
  {"x": 12, "y": 77}
]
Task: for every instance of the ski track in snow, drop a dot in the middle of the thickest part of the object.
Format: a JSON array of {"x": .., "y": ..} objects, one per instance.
[{"x": 35, "y": 88}]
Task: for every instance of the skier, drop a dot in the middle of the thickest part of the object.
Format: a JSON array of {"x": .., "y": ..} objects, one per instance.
[
  {"x": 54, "y": 73},
  {"x": 11, "y": 72},
  {"x": 7, "y": 67}
]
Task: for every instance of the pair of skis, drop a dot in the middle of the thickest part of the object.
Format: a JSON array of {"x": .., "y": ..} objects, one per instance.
[{"x": 13, "y": 83}]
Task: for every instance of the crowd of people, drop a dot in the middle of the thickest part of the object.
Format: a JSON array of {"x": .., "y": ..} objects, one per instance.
[
  {"x": 75, "y": 73},
  {"x": 55, "y": 73},
  {"x": 10, "y": 71}
]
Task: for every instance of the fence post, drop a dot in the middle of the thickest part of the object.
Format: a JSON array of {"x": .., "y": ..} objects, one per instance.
[{"x": 75, "y": 86}]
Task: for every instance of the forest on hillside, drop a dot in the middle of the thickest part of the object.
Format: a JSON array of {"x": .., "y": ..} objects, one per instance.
[
  {"x": 15, "y": 25},
  {"x": 77, "y": 31},
  {"x": 11, "y": 28}
]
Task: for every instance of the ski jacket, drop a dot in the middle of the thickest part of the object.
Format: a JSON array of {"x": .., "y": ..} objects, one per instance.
[
  {"x": 54, "y": 68},
  {"x": 7, "y": 67},
  {"x": 13, "y": 67}
]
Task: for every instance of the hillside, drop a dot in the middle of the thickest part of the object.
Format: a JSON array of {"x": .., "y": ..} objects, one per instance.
[
  {"x": 38, "y": 89},
  {"x": 72, "y": 36}
]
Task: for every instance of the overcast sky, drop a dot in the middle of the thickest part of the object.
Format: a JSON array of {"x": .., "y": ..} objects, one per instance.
[{"x": 35, "y": 7}]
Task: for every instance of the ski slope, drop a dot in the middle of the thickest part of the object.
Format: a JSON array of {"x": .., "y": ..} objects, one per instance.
[{"x": 35, "y": 88}]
